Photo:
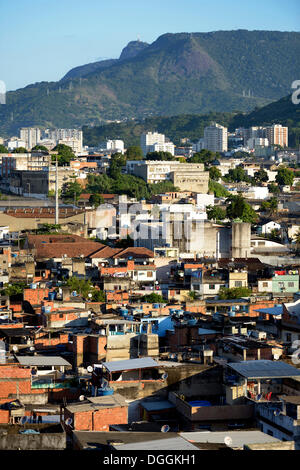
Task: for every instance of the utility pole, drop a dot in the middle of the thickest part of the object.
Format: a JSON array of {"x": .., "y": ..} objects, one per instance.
[{"x": 56, "y": 192}]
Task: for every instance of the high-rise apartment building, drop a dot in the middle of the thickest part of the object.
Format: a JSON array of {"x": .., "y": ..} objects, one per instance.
[
  {"x": 216, "y": 138},
  {"x": 277, "y": 135},
  {"x": 31, "y": 136},
  {"x": 154, "y": 142}
]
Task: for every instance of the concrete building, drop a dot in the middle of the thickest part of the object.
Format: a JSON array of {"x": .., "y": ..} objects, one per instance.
[
  {"x": 25, "y": 162},
  {"x": 277, "y": 135},
  {"x": 155, "y": 142},
  {"x": 115, "y": 145},
  {"x": 31, "y": 136},
  {"x": 187, "y": 176},
  {"x": 241, "y": 240},
  {"x": 216, "y": 138}
]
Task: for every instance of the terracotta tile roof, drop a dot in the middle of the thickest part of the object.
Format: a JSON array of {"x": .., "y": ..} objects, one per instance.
[
  {"x": 106, "y": 252},
  {"x": 56, "y": 246},
  {"x": 135, "y": 252}
]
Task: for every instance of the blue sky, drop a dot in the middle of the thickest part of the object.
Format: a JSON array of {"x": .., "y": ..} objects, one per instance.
[{"x": 40, "y": 40}]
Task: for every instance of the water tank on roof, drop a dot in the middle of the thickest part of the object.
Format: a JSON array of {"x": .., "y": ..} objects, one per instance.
[
  {"x": 33, "y": 286},
  {"x": 156, "y": 306}
]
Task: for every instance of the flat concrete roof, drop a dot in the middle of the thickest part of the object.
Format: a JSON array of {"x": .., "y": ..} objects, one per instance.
[
  {"x": 238, "y": 438},
  {"x": 130, "y": 364},
  {"x": 42, "y": 361},
  {"x": 98, "y": 403},
  {"x": 135, "y": 440}
]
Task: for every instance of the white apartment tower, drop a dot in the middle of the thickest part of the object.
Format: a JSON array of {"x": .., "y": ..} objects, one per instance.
[
  {"x": 31, "y": 136},
  {"x": 216, "y": 138},
  {"x": 154, "y": 142}
]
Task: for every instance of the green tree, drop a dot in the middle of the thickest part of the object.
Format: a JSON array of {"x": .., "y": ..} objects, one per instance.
[
  {"x": 218, "y": 190},
  {"x": 20, "y": 150},
  {"x": 41, "y": 148},
  {"x": 3, "y": 149},
  {"x": 96, "y": 199},
  {"x": 273, "y": 188},
  {"x": 154, "y": 298},
  {"x": 160, "y": 156},
  {"x": 215, "y": 213},
  {"x": 285, "y": 177},
  {"x": 238, "y": 208},
  {"x": 261, "y": 176},
  {"x": 64, "y": 154},
  {"x": 214, "y": 173},
  {"x": 134, "y": 152},
  {"x": 71, "y": 191},
  {"x": 14, "y": 290},
  {"x": 205, "y": 156},
  {"x": 234, "y": 293}
]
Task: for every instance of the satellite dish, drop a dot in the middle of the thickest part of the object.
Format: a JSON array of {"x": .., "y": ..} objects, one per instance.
[
  {"x": 90, "y": 295},
  {"x": 165, "y": 428},
  {"x": 259, "y": 397},
  {"x": 82, "y": 397},
  {"x": 228, "y": 441},
  {"x": 33, "y": 372},
  {"x": 69, "y": 421},
  {"x": 31, "y": 348},
  {"x": 23, "y": 420},
  {"x": 90, "y": 369},
  {"x": 164, "y": 376},
  {"x": 15, "y": 348},
  {"x": 277, "y": 412}
]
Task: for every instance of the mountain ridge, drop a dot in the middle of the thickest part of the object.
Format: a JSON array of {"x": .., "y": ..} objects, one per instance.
[{"x": 182, "y": 73}]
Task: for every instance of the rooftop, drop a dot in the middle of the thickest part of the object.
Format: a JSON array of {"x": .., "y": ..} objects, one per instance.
[
  {"x": 130, "y": 364},
  {"x": 42, "y": 361},
  {"x": 264, "y": 369}
]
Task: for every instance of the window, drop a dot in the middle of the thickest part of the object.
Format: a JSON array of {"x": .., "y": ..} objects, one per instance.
[
  {"x": 149, "y": 274},
  {"x": 288, "y": 337},
  {"x": 238, "y": 284},
  {"x": 212, "y": 286},
  {"x": 291, "y": 284},
  {"x": 265, "y": 284}
]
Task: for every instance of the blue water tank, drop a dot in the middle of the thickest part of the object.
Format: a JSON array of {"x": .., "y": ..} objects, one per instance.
[
  {"x": 33, "y": 286},
  {"x": 155, "y": 305},
  {"x": 46, "y": 309},
  {"x": 52, "y": 295}
]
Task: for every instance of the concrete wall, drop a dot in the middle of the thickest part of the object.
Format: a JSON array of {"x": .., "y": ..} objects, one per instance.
[{"x": 55, "y": 441}]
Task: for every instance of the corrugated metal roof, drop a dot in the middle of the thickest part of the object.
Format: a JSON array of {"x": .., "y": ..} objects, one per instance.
[
  {"x": 130, "y": 364},
  {"x": 271, "y": 311},
  {"x": 264, "y": 369},
  {"x": 42, "y": 361}
]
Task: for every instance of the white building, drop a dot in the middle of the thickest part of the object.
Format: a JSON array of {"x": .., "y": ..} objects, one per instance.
[
  {"x": 268, "y": 227},
  {"x": 117, "y": 145},
  {"x": 15, "y": 143},
  {"x": 155, "y": 142},
  {"x": 216, "y": 138},
  {"x": 254, "y": 142},
  {"x": 31, "y": 136}
]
